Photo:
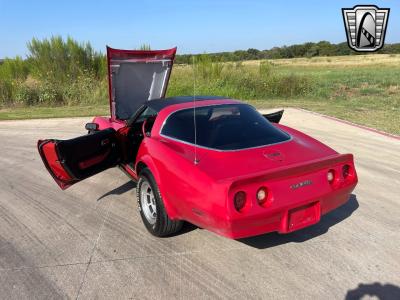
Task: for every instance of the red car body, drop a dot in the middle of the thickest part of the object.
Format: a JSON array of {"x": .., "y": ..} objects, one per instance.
[{"x": 300, "y": 178}]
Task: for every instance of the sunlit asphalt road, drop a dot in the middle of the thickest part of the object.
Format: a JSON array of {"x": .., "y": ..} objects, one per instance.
[{"x": 89, "y": 241}]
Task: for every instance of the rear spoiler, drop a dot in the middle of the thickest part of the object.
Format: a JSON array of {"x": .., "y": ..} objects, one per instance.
[
  {"x": 274, "y": 117},
  {"x": 296, "y": 169}
]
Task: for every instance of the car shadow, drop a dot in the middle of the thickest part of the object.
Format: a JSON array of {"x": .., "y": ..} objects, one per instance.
[
  {"x": 274, "y": 239},
  {"x": 186, "y": 228},
  {"x": 126, "y": 187},
  {"x": 380, "y": 291}
]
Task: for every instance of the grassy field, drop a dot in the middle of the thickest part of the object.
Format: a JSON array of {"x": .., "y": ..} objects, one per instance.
[
  {"x": 362, "y": 89},
  {"x": 341, "y": 61},
  {"x": 43, "y": 112}
]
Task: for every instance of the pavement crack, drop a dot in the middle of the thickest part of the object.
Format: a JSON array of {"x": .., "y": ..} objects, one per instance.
[
  {"x": 182, "y": 253},
  {"x": 93, "y": 250},
  {"x": 43, "y": 267}
]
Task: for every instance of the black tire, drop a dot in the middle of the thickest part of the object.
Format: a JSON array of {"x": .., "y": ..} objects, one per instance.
[{"x": 163, "y": 225}]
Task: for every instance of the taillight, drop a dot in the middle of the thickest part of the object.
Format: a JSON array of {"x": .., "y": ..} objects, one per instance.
[
  {"x": 239, "y": 200},
  {"x": 262, "y": 195},
  {"x": 330, "y": 176},
  {"x": 345, "y": 171}
]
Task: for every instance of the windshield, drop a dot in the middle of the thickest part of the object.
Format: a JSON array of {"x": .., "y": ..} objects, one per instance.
[
  {"x": 223, "y": 127},
  {"x": 148, "y": 112}
]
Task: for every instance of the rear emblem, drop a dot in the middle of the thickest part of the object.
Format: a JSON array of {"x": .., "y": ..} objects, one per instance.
[{"x": 300, "y": 184}]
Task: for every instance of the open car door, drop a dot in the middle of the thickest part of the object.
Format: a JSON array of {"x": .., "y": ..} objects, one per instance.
[{"x": 70, "y": 161}]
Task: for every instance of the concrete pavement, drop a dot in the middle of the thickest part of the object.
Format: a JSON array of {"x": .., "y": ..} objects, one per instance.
[{"x": 89, "y": 241}]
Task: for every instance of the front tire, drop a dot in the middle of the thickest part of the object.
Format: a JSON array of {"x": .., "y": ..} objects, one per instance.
[{"x": 152, "y": 209}]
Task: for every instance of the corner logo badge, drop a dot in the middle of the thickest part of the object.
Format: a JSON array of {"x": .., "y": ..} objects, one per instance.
[{"x": 365, "y": 27}]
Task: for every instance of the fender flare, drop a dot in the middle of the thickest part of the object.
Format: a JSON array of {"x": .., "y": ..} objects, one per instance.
[{"x": 149, "y": 163}]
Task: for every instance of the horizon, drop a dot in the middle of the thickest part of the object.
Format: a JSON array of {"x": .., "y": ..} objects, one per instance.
[
  {"x": 104, "y": 52},
  {"x": 206, "y": 27}
]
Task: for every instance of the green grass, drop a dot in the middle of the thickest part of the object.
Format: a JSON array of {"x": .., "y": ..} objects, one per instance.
[
  {"x": 361, "y": 89},
  {"x": 20, "y": 113},
  {"x": 357, "y": 111}
]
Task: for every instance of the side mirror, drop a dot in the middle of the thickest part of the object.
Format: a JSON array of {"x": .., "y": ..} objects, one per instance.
[{"x": 91, "y": 127}]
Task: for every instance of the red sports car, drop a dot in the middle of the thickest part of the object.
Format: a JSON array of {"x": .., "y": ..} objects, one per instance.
[{"x": 211, "y": 161}]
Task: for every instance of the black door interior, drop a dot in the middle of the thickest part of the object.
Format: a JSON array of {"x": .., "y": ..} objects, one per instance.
[{"x": 90, "y": 154}]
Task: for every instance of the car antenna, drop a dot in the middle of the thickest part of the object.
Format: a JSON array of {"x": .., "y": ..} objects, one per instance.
[{"x": 196, "y": 161}]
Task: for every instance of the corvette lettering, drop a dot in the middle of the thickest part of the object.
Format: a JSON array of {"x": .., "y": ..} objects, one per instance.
[{"x": 300, "y": 184}]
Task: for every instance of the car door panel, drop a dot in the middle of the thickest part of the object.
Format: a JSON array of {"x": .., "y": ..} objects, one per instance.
[{"x": 73, "y": 160}]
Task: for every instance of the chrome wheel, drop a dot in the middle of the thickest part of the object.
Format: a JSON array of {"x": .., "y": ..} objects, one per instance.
[{"x": 148, "y": 202}]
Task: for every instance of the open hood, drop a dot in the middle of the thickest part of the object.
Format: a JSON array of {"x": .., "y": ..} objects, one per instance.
[{"x": 135, "y": 76}]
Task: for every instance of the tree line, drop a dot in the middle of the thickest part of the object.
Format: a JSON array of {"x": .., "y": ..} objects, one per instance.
[
  {"x": 55, "y": 48},
  {"x": 322, "y": 48}
]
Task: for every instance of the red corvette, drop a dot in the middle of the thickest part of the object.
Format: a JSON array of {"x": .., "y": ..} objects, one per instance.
[{"x": 211, "y": 161}]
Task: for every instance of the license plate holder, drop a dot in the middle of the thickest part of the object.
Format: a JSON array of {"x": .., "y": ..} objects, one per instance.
[{"x": 303, "y": 216}]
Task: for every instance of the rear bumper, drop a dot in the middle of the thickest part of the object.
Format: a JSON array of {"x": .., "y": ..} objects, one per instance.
[{"x": 281, "y": 219}]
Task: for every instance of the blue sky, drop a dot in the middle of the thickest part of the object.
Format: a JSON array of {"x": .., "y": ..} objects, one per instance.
[{"x": 193, "y": 26}]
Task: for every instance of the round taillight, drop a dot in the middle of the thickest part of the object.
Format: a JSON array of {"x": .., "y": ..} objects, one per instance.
[
  {"x": 239, "y": 200},
  {"x": 330, "y": 176},
  {"x": 262, "y": 195},
  {"x": 346, "y": 171}
]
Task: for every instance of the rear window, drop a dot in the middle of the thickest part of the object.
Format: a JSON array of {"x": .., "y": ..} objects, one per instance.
[{"x": 223, "y": 127}]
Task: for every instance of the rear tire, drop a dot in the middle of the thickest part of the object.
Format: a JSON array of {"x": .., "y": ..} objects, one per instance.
[{"x": 152, "y": 209}]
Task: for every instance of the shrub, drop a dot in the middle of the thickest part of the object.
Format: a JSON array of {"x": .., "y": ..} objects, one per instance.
[
  {"x": 14, "y": 69},
  {"x": 65, "y": 72},
  {"x": 293, "y": 85},
  {"x": 86, "y": 90},
  {"x": 60, "y": 61},
  {"x": 26, "y": 94},
  {"x": 50, "y": 94},
  {"x": 265, "y": 68},
  {"x": 6, "y": 92},
  {"x": 205, "y": 67},
  {"x": 145, "y": 47},
  {"x": 237, "y": 80}
]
